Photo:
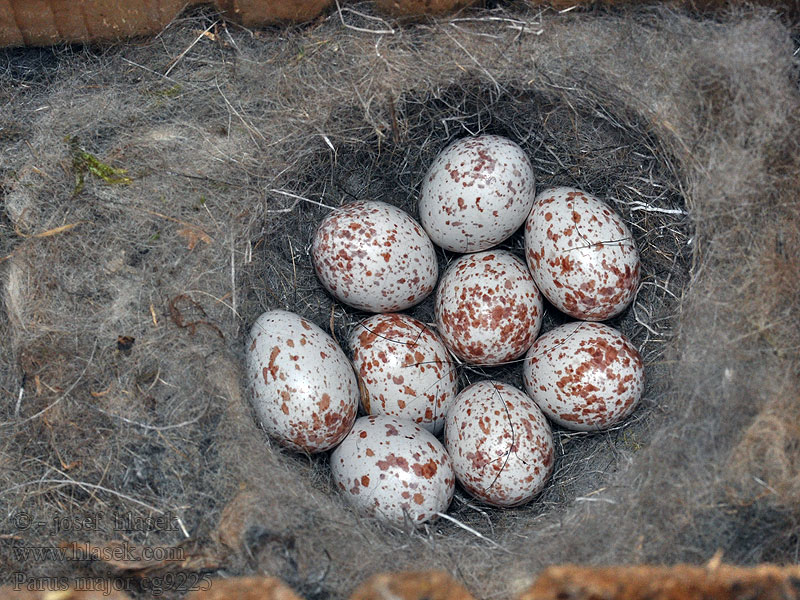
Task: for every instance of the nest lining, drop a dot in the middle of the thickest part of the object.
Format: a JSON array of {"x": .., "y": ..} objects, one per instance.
[{"x": 687, "y": 127}]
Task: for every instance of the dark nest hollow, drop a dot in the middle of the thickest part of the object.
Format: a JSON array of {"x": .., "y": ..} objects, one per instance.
[
  {"x": 579, "y": 145},
  {"x": 127, "y": 296}
]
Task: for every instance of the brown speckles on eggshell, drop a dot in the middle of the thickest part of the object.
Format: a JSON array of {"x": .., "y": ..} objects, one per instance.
[
  {"x": 325, "y": 402},
  {"x": 426, "y": 470},
  {"x": 392, "y": 461}
]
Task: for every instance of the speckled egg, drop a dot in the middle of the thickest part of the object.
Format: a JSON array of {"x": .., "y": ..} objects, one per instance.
[
  {"x": 394, "y": 470},
  {"x": 302, "y": 386},
  {"x": 581, "y": 254},
  {"x": 374, "y": 257},
  {"x": 500, "y": 443},
  {"x": 488, "y": 309},
  {"x": 477, "y": 192},
  {"x": 404, "y": 369},
  {"x": 584, "y": 376}
]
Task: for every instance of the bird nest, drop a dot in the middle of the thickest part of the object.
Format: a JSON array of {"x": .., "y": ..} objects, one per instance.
[{"x": 159, "y": 195}]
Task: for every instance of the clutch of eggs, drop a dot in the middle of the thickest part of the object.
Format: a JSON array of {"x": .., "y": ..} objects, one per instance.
[
  {"x": 581, "y": 254},
  {"x": 477, "y": 192},
  {"x": 584, "y": 376},
  {"x": 302, "y": 385},
  {"x": 374, "y": 257},
  {"x": 488, "y": 311},
  {"x": 404, "y": 370}
]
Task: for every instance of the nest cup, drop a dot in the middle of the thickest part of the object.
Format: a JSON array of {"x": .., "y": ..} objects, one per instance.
[
  {"x": 572, "y": 140},
  {"x": 126, "y": 305}
]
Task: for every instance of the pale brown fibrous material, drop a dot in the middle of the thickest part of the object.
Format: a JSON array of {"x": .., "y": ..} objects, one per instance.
[{"x": 127, "y": 296}]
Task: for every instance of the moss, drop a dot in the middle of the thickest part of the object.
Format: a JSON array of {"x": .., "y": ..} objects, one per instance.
[{"x": 84, "y": 162}]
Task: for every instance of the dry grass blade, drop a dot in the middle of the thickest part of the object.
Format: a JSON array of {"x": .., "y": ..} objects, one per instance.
[{"x": 48, "y": 233}]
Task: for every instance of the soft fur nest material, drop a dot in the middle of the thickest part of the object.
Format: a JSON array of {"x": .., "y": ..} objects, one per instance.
[{"x": 234, "y": 139}]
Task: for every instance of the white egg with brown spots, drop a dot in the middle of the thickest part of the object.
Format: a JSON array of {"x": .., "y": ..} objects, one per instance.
[
  {"x": 302, "y": 386},
  {"x": 581, "y": 254},
  {"x": 500, "y": 443},
  {"x": 488, "y": 309},
  {"x": 404, "y": 369},
  {"x": 477, "y": 192},
  {"x": 374, "y": 257},
  {"x": 393, "y": 470},
  {"x": 584, "y": 376}
]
